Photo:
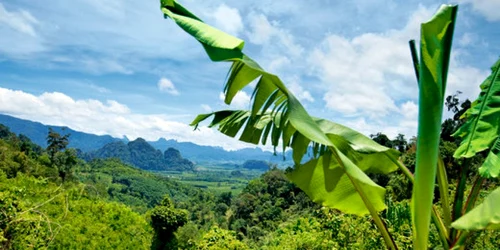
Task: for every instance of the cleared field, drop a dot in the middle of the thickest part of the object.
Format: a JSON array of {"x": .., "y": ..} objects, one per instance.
[{"x": 216, "y": 178}]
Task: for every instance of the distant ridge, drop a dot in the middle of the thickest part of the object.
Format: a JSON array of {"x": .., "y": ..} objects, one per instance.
[
  {"x": 200, "y": 153},
  {"x": 86, "y": 142},
  {"x": 37, "y": 132}
]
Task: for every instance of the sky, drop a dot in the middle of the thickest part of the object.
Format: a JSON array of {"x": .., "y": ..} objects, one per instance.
[{"x": 118, "y": 67}]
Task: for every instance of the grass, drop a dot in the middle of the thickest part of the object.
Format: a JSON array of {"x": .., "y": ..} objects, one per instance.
[{"x": 215, "y": 178}]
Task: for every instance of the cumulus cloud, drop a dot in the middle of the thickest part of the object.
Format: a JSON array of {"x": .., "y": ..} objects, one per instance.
[
  {"x": 368, "y": 74},
  {"x": 488, "y": 8},
  {"x": 240, "y": 101},
  {"x": 228, "y": 19},
  {"x": 365, "y": 73},
  {"x": 299, "y": 92},
  {"x": 165, "y": 85},
  {"x": 404, "y": 121},
  {"x": 264, "y": 32},
  {"x": 110, "y": 117}
]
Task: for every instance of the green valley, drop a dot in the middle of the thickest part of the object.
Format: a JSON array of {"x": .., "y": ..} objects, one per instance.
[{"x": 366, "y": 139}]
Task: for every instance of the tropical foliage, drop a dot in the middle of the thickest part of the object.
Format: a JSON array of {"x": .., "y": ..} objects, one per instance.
[
  {"x": 337, "y": 176},
  {"x": 345, "y": 190}
]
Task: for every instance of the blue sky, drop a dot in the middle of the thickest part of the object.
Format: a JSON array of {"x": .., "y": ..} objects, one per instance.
[{"x": 117, "y": 67}]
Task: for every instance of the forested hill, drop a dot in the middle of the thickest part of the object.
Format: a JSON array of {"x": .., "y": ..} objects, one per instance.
[
  {"x": 37, "y": 132},
  {"x": 200, "y": 153},
  {"x": 142, "y": 155},
  {"x": 50, "y": 199}
]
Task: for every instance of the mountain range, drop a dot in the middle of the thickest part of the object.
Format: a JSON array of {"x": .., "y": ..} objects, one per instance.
[{"x": 94, "y": 144}]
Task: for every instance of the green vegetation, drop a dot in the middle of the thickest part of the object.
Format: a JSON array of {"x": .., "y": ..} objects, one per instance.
[
  {"x": 215, "y": 178},
  {"x": 338, "y": 176},
  {"x": 106, "y": 204},
  {"x": 142, "y": 155},
  {"x": 353, "y": 193},
  {"x": 41, "y": 208},
  {"x": 256, "y": 165}
]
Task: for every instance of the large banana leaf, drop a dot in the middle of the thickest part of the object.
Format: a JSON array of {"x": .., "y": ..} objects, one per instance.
[
  {"x": 481, "y": 129},
  {"x": 324, "y": 179},
  {"x": 276, "y": 113},
  {"x": 435, "y": 49},
  {"x": 491, "y": 166},
  {"x": 484, "y": 216}
]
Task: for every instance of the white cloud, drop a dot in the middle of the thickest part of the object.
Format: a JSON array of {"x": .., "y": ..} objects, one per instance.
[
  {"x": 99, "y": 88},
  {"x": 165, "y": 85},
  {"x": 271, "y": 34},
  {"x": 121, "y": 36},
  {"x": 21, "y": 21},
  {"x": 466, "y": 39},
  {"x": 228, "y": 19},
  {"x": 206, "y": 108},
  {"x": 240, "y": 101},
  {"x": 262, "y": 30},
  {"x": 368, "y": 74},
  {"x": 404, "y": 122},
  {"x": 102, "y": 66},
  {"x": 464, "y": 78},
  {"x": 488, "y": 8},
  {"x": 111, "y": 117},
  {"x": 279, "y": 63},
  {"x": 18, "y": 33},
  {"x": 299, "y": 92},
  {"x": 409, "y": 110}
]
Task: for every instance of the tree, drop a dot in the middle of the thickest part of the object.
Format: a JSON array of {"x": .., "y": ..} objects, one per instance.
[
  {"x": 63, "y": 161},
  {"x": 400, "y": 143},
  {"x": 382, "y": 139},
  {"x": 451, "y": 125},
  {"x": 225, "y": 197},
  {"x": 56, "y": 142},
  {"x": 217, "y": 238},
  {"x": 5, "y": 132},
  {"x": 165, "y": 220}
]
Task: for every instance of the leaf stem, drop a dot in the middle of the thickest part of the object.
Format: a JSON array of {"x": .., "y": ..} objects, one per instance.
[
  {"x": 443, "y": 191},
  {"x": 460, "y": 241},
  {"x": 459, "y": 194},
  {"x": 389, "y": 241},
  {"x": 474, "y": 193},
  {"x": 414, "y": 57},
  {"x": 438, "y": 222}
]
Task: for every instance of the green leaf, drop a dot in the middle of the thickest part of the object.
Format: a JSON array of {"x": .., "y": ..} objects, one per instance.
[
  {"x": 326, "y": 182},
  {"x": 290, "y": 121},
  {"x": 356, "y": 149},
  {"x": 218, "y": 45},
  {"x": 491, "y": 166},
  {"x": 484, "y": 216},
  {"x": 442, "y": 179},
  {"x": 481, "y": 129},
  {"x": 435, "y": 49},
  {"x": 368, "y": 155}
]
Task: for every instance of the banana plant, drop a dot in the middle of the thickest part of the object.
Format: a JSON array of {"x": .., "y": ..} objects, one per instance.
[
  {"x": 435, "y": 49},
  {"x": 480, "y": 133},
  {"x": 336, "y": 175}
]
